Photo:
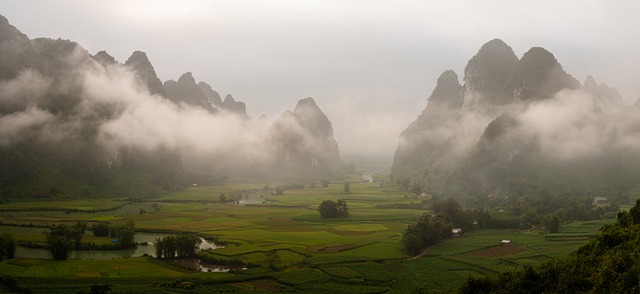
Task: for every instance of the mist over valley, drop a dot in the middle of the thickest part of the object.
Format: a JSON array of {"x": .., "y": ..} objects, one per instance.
[{"x": 209, "y": 147}]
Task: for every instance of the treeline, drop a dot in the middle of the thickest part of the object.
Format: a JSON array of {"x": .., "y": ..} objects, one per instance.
[
  {"x": 608, "y": 263},
  {"x": 62, "y": 238},
  {"x": 68, "y": 210},
  {"x": 499, "y": 213},
  {"x": 180, "y": 246},
  {"x": 7, "y": 246},
  {"x": 124, "y": 231},
  {"x": 428, "y": 230}
]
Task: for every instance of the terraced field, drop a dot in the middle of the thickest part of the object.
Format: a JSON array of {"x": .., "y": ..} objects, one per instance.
[{"x": 359, "y": 253}]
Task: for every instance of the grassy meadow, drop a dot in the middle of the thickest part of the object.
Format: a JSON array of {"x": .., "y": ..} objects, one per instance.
[{"x": 359, "y": 253}]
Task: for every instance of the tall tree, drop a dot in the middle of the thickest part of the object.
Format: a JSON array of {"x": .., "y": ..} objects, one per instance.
[
  {"x": 7, "y": 246},
  {"x": 60, "y": 241}
]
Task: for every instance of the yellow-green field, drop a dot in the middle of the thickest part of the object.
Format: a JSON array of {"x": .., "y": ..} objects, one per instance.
[{"x": 360, "y": 253}]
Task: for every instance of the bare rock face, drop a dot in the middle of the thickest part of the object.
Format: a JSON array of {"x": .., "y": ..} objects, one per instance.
[
  {"x": 487, "y": 73},
  {"x": 141, "y": 65},
  {"x": 104, "y": 58},
  {"x": 482, "y": 138},
  {"x": 212, "y": 96},
  {"x": 304, "y": 143},
  {"x": 538, "y": 76},
  {"x": 602, "y": 92},
  {"x": 185, "y": 90},
  {"x": 16, "y": 50},
  {"x": 231, "y": 105}
]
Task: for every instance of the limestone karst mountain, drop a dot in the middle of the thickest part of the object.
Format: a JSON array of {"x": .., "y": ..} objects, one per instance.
[
  {"x": 304, "y": 141},
  {"x": 141, "y": 65},
  {"x": 77, "y": 124},
  {"x": 524, "y": 126}
]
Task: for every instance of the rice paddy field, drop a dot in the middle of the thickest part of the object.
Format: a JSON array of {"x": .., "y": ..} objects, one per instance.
[{"x": 360, "y": 253}]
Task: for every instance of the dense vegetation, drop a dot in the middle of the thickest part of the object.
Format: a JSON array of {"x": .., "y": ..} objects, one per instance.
[
  {"x": 331, "y": 209},
  {"x": 180, "y": 246},
  {"x": 608, "y": 263},
  {"x": 7, "y": 246}
]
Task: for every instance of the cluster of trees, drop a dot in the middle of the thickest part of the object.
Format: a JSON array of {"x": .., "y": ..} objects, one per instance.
[
  {"x": 273, "y": 260},
  {"x": 332, "y": 209},
  {"x": 545, "y": 208},
  {"x": 181, "y": 246},
  {"x": 428, "y": 230},
  {"x": 7, "y": 246},
  {"x": 523, "y": 212},
  {"x": 608, "y": 263},
  {"x": 123, "y": 232},
  {"x": 62, "y": 238}
]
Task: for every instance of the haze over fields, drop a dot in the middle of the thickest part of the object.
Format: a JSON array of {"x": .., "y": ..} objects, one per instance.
[{"x": 370, "y": 65}]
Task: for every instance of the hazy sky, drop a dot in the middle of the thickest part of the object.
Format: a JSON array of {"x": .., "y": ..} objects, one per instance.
[{"x": 370, "y": 65}]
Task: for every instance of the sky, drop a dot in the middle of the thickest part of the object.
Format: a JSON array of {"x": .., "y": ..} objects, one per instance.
[{"x": 369, "y": 64}]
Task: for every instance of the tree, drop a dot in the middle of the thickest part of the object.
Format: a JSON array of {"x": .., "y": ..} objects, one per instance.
[
  {"x": 328, "y": 209},
  {"x": 60, "y": 241},
  {"x": 325, "y": 183},
  {"x": 347, "y": 188},
  {"x": 7, "y": 246},
  {"x": 101, "y": 289},
  {"x": 331, "y": 209},
  {"x": 273, "y": 260},
  {"x": 341, "y": 207},
  {"x": 634, "y": 212},
  {"x": 100, "y": 230},
  {"x": 411, "y": 243},
  {"x": 553, "y": 224},
  {"x": 180, "y": 246},
  {"x": 426, "y": 231}
]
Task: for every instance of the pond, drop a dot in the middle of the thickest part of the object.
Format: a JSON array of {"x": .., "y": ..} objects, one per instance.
[{"x": 141, "y": 250}]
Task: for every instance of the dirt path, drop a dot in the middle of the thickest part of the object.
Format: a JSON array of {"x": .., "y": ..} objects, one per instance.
[{"x": 421, "y": 253}]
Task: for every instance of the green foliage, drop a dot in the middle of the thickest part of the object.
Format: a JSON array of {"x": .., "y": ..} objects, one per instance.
[
  {"x": 101, "y": 288},
  {"x": 332, "y": 209},
  {"x": 608, "y": 263},
  {"x": 7, "y": 246},
  {"x": 273, "y": 260},
  {"x": 60, "y": 240},
  {"x": 347, "y": 188},
  {"x": 180, "y": 246},
  {"x": 100, "y": 229},
  {"x": 553, "y": 224},
  {"x": 425, "y": 232}
]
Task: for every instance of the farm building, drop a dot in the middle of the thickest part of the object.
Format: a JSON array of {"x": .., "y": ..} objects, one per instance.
[{"x": 456, "y": 232}]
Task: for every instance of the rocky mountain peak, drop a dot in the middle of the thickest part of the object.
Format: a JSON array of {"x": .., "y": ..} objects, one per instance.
[
  {"x": 312, "y": 118},
  {"x": 590, "y": 84},
  {"x": 16, "y": 50},
  {"x": 231, "y": 105},
  {"x": 187, "y": 79},
  {"x": 185, "y": 90},
  {"x": 486, "y": 74},
  {"x": 104, "y": 58},
  {"x": 448, "y": 93},
  {"x": 228, "y": 99},
  {"x": 140, "y": 64},
  {"x": 538, "y": 75},
  {"x": 212, "y": 95}
]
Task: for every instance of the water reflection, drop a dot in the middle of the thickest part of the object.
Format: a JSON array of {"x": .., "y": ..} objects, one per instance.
[{"x": 141, "y": 250}]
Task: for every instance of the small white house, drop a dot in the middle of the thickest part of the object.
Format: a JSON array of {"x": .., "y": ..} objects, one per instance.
[
  {"x": 505, "y": 242},
  {"x": 456, "y": 232}
]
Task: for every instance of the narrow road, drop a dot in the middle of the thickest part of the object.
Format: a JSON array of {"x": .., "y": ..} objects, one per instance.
[{"x": 421, "y": 253}]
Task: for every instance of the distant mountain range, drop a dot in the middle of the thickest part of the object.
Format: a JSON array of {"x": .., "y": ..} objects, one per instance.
[
  {"x": 77, "y": 124},
  {"x": 517, "y": 127}
]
